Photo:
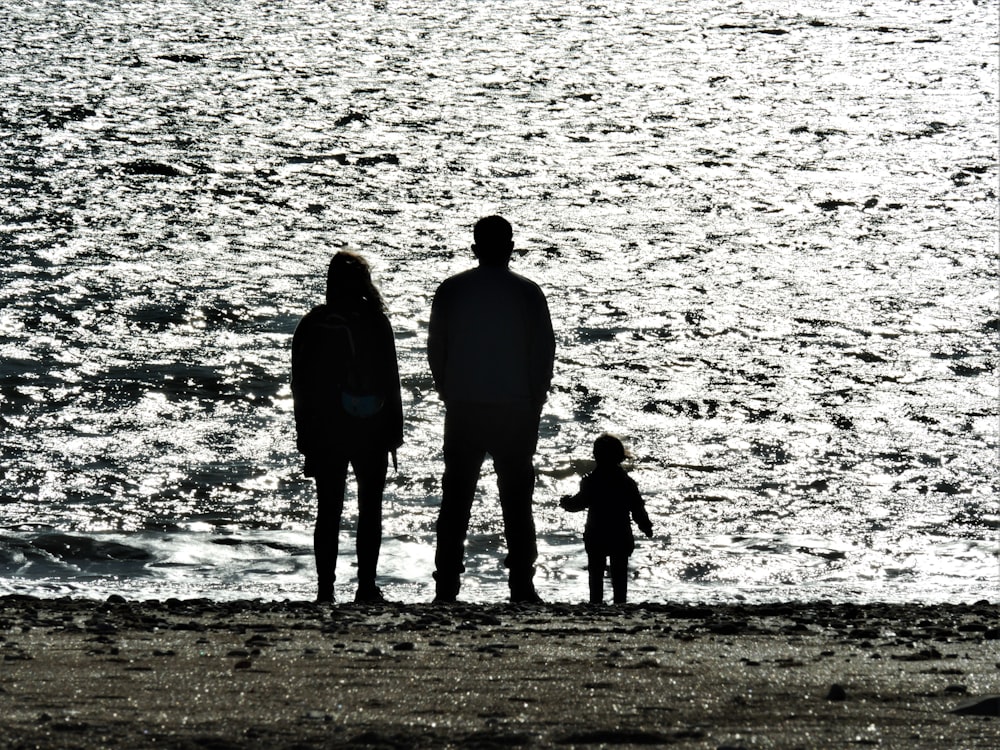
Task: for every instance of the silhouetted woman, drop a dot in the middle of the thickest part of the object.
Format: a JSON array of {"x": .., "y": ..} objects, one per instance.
[{"x": 348, "y": 412}]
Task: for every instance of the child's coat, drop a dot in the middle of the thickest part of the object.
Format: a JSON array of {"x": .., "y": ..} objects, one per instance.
[{"x": 612, "y": 500}]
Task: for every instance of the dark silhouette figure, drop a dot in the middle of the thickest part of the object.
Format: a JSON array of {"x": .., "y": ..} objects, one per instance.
[
  {"x": 491, "y": 350},
  {"x": 612, "y": 501},
  {"x": 348, "y": 412}
]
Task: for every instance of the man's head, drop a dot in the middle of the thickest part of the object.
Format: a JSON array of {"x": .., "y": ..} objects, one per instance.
[{"x": 494, "y": 241}]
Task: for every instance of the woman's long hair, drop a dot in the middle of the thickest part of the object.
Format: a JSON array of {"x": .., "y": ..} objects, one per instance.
[{"x": 349, "y": 284}]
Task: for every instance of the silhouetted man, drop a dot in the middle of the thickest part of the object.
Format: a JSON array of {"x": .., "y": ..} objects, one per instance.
[{"x": 491, "y": 351}]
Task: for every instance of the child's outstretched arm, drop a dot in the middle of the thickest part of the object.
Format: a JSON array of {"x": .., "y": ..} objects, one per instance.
[{"x": 582, "y": 499}]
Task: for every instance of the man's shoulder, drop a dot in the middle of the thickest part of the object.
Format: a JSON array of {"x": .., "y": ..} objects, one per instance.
[
  {"x": 524, "y": 281},
  {"x": 474, "y": 283},
  {"x": 491, "y": 276},
  {"x": 458, "y": 279}
]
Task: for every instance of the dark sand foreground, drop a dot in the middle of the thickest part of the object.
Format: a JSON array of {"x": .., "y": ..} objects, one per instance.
[{"x": 198, "y": 674}]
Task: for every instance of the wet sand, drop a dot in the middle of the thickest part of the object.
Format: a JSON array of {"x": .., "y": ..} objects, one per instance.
[{"x": 196, "y": 673}]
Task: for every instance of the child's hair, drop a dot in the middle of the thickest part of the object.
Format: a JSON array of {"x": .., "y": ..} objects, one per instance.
[{"x": 609, "y": 450}]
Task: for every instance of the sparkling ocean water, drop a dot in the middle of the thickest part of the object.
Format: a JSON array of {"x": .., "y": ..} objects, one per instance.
[{"x": 767, "y": 231}]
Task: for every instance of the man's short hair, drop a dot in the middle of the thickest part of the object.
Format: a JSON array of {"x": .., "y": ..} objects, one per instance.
[{"x": 493, "y": 231}]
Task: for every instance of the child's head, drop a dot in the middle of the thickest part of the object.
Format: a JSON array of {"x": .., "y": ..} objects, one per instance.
[{"x": 609, "y": 450}]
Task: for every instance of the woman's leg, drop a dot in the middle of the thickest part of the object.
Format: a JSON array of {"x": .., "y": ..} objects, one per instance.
[
  {"x": 619, "y": 577},
  {"x": 370, "y": 471},
  {"x": 330, "y": 483}
]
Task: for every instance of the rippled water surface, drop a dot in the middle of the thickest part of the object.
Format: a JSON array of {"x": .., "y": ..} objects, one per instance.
[{"x": 767, "y": 231}]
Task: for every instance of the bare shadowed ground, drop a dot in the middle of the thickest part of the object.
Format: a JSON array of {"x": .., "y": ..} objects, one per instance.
[{"x": 187, "y": 674}]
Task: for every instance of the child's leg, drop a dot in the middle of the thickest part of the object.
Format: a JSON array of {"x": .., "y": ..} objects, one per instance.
[
  {"x": 619, "y": 577},
  {"x": 595, "y": 565}
]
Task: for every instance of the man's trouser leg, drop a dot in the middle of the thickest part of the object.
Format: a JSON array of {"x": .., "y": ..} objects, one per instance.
[
  {"x": 463, "y": 458},
  {"x": 516, "y": 483},
  {"x": 513, "y": 450}
]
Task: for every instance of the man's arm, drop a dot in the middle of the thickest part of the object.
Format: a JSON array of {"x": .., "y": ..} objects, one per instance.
[{"x": 543, "y": 352}]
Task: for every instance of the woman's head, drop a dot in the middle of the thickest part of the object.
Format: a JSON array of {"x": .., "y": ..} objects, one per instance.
[
  {"x": 609, "y": 450},
  {"x": 349, "y": 282}
]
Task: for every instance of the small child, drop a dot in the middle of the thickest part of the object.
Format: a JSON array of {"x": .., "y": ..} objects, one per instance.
[{"x": 610, "y": 497}]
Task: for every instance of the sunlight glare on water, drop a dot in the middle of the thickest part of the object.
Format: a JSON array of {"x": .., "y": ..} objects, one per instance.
[{"x": 767, "y": 233}]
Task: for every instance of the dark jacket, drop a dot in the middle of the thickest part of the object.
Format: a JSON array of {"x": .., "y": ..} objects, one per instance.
[
  {"x": 334, "y": 352},
  {"x": 612, "y": 500},
  {"x": 490, "y": 339}
]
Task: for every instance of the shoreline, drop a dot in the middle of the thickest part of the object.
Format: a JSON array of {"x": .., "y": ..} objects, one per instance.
[{"x": 198, "y": 673}]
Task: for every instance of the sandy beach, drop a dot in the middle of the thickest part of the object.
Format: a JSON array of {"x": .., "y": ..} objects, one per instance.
[{"x": 202, "y": 674}]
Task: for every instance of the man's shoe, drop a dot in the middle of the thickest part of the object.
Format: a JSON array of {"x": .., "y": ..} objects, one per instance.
[
  {"x": 528, "y": 596},
  {"x": 446, "y": 588},
  {"x": 369, "y": 595}
]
